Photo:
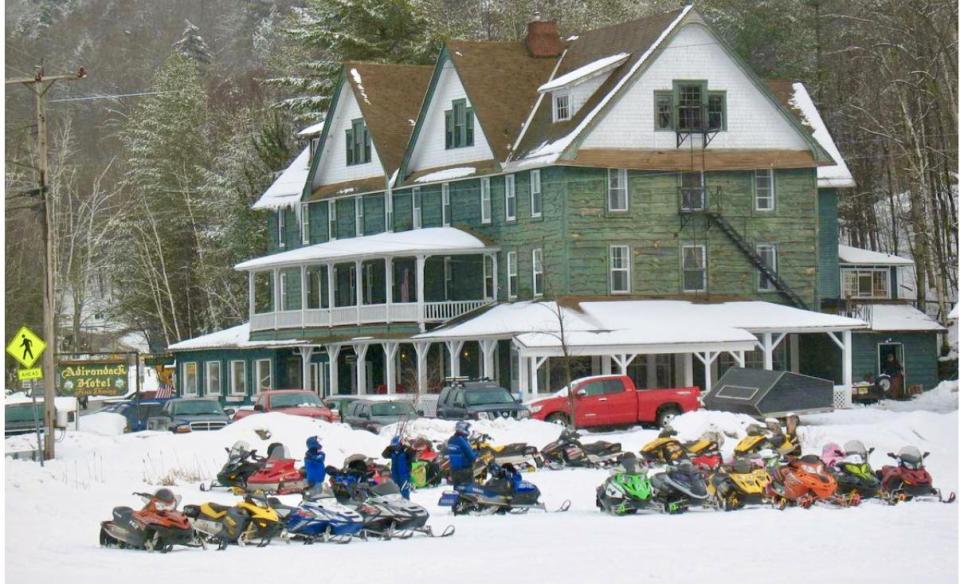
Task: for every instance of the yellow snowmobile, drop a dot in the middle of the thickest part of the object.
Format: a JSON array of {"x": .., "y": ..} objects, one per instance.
[
  {"x": 251, "y": 520},
  {"x": 665, "y": 448},
  {"x": 759, "y": 438},
  {"x": 738, "y": 484}
]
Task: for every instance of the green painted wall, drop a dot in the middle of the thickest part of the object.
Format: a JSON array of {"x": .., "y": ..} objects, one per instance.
[
  {"x": 430, "y": 206},
  {"x": 374, "y": 214},
  {"x": 402, "y": 211},
  {"x": 828, "y": 240},
  {"x": 346, "y": 218},
  {"x": 319, "y": 227}
]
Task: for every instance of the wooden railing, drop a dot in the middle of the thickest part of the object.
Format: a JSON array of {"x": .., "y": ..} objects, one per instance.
[{"x": 365, "y": 314}]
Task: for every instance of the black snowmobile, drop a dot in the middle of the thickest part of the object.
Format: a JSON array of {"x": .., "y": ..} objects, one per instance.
[
  {"x": 504, "y": 492},
  {"x": 679, "y": 486},
  {"x": 158, "y": 526},
  {"x": 242, "y": 463},
  {"x": 567, "y": 450}
]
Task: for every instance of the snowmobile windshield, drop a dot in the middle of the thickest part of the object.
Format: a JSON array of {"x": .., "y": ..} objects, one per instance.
[
  {"x": 386, "y": 488},
  {"x": 239, "y": 450},
  {"x": 487, "y": 397},
  {"x": 393, "y": 409},
  {"x": 166, "y": 503},
  {"x": 198, "y": 407},
  {"x": 855, "y": 447},
  {"x": 911, "y": 457},
  {"x": 279, "y": 401}
]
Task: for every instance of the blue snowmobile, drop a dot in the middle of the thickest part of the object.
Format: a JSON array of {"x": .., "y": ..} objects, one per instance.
[{"x": 504, "y": 492}]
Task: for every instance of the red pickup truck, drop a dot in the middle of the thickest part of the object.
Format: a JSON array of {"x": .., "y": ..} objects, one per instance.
[
  {"x": 297, "y": 402},
  {"x": 613, "y": 400}
]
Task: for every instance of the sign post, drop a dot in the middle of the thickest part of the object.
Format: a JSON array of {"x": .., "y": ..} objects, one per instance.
[{"x": 26, "y": 347}]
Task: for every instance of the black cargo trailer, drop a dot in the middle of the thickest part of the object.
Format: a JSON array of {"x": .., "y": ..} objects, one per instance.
[{"x": 769, "y": 394}]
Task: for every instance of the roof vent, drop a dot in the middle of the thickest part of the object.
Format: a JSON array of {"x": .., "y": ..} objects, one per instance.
[{"x": 543, "y": 38}]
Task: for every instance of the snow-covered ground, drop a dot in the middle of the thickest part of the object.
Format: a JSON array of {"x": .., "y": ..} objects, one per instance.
[{"x": 52, "y": 514}]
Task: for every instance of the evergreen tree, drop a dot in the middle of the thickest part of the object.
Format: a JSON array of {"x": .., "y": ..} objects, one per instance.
[{"x": 192, "y": 46}]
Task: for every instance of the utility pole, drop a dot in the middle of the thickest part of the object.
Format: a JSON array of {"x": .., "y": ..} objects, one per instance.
[{"x": 40, "y": 85}]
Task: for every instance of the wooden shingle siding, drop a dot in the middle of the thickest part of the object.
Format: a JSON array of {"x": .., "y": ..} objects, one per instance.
[{"x": 828, "y": 281}]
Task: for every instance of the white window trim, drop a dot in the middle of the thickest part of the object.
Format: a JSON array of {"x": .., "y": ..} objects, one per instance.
[
  {"x": 534, "y": 256},
  {"x": 233, "y": 389},
  {"x": 417, "y": 206},
  {"x": 554, "y": 98},
  {"x": 208, "y": 377},
  {"x": 196, "y": 378},
  {"x": 282, "y": 278},
  {"x": 305, "y": 223},
  {"x": 535, "y": 180},
  {"x": 445, "y": 203},
  {"x": 621, "y": 174},
  {"x": 488, "y": 276},
  {"x": 447, "y": 276},
  {"x": 627, "y": 268},
  {"x": 281, "y": 228},
  {"x": 756, "y": 193},
  {"x": 388, "y": 212},
  {"x": 332, "y": 220},
  {"x": 703, "y": 260},
  {"x": 509, "y": 194},
  {"x": 776, "y": 261},
  {"x": 358, "y": 215},
  {"x": 846, "y": 293},
  {"x": 512, "y": 274},
  {"x": 486, "y": 207},
  {"x": 259, "y": 373}
]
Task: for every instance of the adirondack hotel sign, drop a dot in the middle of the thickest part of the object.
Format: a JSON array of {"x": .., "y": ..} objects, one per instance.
[{"x": 85, "y": 378}]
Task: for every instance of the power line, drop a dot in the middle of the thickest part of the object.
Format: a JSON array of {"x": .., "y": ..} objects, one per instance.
[{"x": 114, "y": 96}]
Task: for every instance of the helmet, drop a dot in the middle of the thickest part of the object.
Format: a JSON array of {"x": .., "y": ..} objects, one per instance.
[
  {"x": 831, "y": 453},
  {"x": 462, "y": 427},
  {"x": 395, "y": 441},
  {"x": 313, "y": 443}
]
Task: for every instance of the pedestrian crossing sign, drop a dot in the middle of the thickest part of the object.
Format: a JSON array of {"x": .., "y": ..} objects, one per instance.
[{"x": 26, "y": 347}]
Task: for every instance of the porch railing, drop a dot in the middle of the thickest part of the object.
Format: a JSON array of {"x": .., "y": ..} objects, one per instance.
[{"x": 365, "y": 314}]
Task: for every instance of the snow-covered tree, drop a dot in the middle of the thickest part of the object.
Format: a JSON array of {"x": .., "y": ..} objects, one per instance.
[{"x": 192, "y": 46}]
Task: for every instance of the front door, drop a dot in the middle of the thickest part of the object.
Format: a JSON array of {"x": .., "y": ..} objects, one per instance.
[{"x": 890, "y": 362}]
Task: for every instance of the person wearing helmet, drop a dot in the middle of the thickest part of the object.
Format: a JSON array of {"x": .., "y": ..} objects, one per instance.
[
  {"x": 401, "y": 460},
  {"x": 792, "y": 425},
  {"x": 461, "y": 456},
  {"x": 314, "y": 462}
]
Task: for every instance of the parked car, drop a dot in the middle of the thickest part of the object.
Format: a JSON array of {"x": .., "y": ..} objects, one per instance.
[
  {"x": 296, "y": 402},
  {"x": 373, "y": 415},
  {"x": 613, "y": 400},
  {"x": 478, "y": 400},
  {"x": 338, "y": 403},
  {"x": 138, "y": 415},
  {"x": 192, "y": 414},
  {"x": 18, "y": 415}
]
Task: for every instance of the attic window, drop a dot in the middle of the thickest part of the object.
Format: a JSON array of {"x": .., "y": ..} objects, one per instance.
[
  {"x": 689, "y": 107},
  {"x": 459, "y": 125},
  {"x": 358, "y": 143},
  {"x": 561, "y": 106}
]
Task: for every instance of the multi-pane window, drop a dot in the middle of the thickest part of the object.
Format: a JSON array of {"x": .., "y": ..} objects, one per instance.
[
  {"x": 388, "y": 211},
  {"x": 332, "y": 215},
  {"x": 716, "y": 110},
  {"x": 190, "y": 378},
  {"x": 510, "y": 197},
  {"x": 617, "y": 199},
  {"x": 690, "y": 107},
  {"x": 488, "y": 290},
  {"x": 238, "y": 377},
  {"x": 663, "y": 110},
  {"x": 561, "y": 107},
  {"x": 445, "y": 196},
  {"x": 866, "y": 283},
  {"x": 213, "y": 377},
  {"x": 417, "y": 209},
  {"x": 358, "y": 143},
  {"x": 536, "y": 195},
  {"x": 283, "y": 290},
  {"x": 314, "y": 286},
  {"x": 262, "y": 292},
  {"x": 694, "y": 259},
  {"x": 358, "y": 215},
  {"x": 447, "y": 277},
  {"x": 619, "y": 269},
  {"x": 692, "y": 192},
  {"x": 486, "y": 214},
  {"x": 305, "y": 223},
  {"x": 459, "y": 125},
  {"x": 264, "y": 374},
  {"x": 538, "y": 272},
  {"x": 512, "y": 274},
  {"x": 763, "y": 189},
  {"x": 281, "y": 228},
  {"x": 768, "y": 254}
]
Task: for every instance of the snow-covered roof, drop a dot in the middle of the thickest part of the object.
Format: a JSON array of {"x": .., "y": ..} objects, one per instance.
[
  {"x": 856, "y": 255},
  {"x": 237, "y": 337},
  {"x": 286, "y": 190},
  {"x": 837, "y": 175},
  {"x": 897, "y": 317},
  {"x": 311, "y": 130},
  {"x": 431, "y": 240},
  {"x": 955, "y": 313},
  {"x": 447, "y": 174},
  {"x": 588, "y": 71}
]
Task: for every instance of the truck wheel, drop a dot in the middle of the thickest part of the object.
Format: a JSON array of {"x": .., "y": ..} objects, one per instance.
[
  {"x": 559, "y": 419},
  {"x": 666, "y": 415}
]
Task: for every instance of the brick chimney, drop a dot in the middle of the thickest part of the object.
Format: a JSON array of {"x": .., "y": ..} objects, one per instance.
[{"x": 543, "y": 38}]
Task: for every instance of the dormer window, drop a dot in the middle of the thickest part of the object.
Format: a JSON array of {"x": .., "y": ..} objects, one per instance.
[
  {"x": 561, "y": 107},
  {"x": 459, "y": 125},
  {"x": 689, "y": 107},
  {"x": 358, "y": 143}
]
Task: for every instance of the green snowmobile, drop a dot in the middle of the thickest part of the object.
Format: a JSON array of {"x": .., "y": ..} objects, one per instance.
[{"x": 627, "y": 491}]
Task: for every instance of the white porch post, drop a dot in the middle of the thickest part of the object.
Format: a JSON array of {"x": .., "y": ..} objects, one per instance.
[
  {"x": 688, "y": 369},
  {"x": 623, "y": 361},
  {"x": 524, "y": 364},
  {"x": 390, "y": 365},
  {"x": 535, "y": 374},
  {"x": 388, "y": 270},
  {"x": 330, "y": 295},
  {"x": 454, "y": 348},
  {"x": 605, "y": 368},
  {"x": 767, "y": 347},
  {"x": 361, "y": 351},
  {"x": 487, "y": 348},
  {"x": 421, "y": 317},
  {"x": 305, "y": 354},
  {"x": 651, "y": 371},
  {"x": 707, "y": 358},
  {"x": 795, "y": 353},
  {"x": 496, "y": 279},
  {"x": 303, "y": 295},
  {"x": 251, "y": 291},
  {"x": 738, "y": 357},
  {"x": 359, "y": 282},
  {"x": 422, "y": 349},
  {"x": 276, "y": 296},
  {"x": 848, "y": 359},
  {"x": 333, "y": 354}
]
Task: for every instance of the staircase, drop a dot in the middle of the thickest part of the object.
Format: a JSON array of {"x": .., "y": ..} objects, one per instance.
[{"x": 748, "y": 250}]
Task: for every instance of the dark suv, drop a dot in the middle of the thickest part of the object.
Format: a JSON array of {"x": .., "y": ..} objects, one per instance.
[{"x": 478, "y": 400}]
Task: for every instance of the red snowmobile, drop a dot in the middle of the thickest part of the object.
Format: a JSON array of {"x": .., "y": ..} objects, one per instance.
[
  {"x": 158, "y": 526},
  {"x": 803, "y": 481},
  {"x": 278, "y": 474},
  {"x": 908, "y": 480}
]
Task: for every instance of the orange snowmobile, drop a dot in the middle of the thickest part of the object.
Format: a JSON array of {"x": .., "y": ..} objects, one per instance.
[{"x": 802, "y": 481}]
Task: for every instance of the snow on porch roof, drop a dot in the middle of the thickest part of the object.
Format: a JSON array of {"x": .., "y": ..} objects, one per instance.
[
  {"x": 237, "y": 337},
  {"x": 430, "y": 241},
  {"x": 856, "y": 255},
  {"x": 898, "y": 317},
  {"x": 287, "y": 188}
]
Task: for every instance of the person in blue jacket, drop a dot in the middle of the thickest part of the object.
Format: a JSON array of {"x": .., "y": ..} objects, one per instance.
[
  {"x": 314, "y": 463},
  {"x": 401, "y": 460},
  {"x": 461, "y": 456}
]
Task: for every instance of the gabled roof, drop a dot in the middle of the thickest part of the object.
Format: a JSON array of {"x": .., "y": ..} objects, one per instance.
[
  {"x": 865, "y": 257},
  {"x": 287, "y": 188}
]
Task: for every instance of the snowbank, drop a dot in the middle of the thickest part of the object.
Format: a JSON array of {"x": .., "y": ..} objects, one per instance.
[
  {"x": 942, "y": 398},
  {"x": 103, "y": 423}
]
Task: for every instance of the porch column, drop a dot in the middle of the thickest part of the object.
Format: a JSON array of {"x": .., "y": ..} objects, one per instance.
[
  {"x": 623, "y": 361},
  {"x": 454, "y": 348},
  {"x": 651, "y": 371},
  {"x": 359, "y": 281},
  {"x": 306, "y": 353},
  {"x": 848, "y": 359},
  {"x": 303, "y": 296},
  {"x": 496, "y": 279},
  {"x": 738, "y": 356},
  {"x": 422, "y": 349},
  {"x": 605, "y": 368},
  {"x": 361, "y": 351},
  {"x": 524, "y": 377},
  {"x": 688, "y": 369},
  {"x": 767, "y": 351},
  {"x": 487, "y": 348},
  {"x": 330, "y": 295},
  {"x": 388, "y": 272},
  {"x": 795, "y": 353},
  {"x": 276, "y": 296},
  {"x": 535, "y": 374},
  {"x": 251, "y": 291},
  {"x": 390, "y": 365},
  {"x": 333, "y": 354},
  {"x": 421, "y": 317},
  {"x": 707, "y": 358}
]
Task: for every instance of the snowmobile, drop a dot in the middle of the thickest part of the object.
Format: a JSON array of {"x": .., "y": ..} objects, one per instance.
[
  {"x": 665, "y": 448},
  {"x": 242, "y": 462},
  {"x": 251, "y": 520},
  {"x": 386, "y": 514},
  {"x": 484, "y": 458},
  {"x": 908, "y": 480},
  {"x": 504, "y": 492},
  {"x": 852, "y": 470},
  {"x": 519, "y": 454},
  {"x": 424, "y": 448},
  {"x": 279, "y": 474},
  {"x": 158, "y": 526},
  {"x": 803, "y": 481},
  {"x": 320, "y": 521},
  {"x": 626, "y": 491},
  {"x": 759, "y": 438},
  {"x": 704, "y": 452},
  {"x": 677, "y": 487},
  {"x": 567, "y": 450},
  {"x": 738, "y": 484}
]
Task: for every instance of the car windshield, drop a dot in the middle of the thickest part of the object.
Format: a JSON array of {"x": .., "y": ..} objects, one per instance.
[
  {"x": 393, "y": 409},
  {"x": 294, "y": 400},
  {"x": 484, "y": 397},
  {"x": 197, "y": 407},
  {"x": 23, "y": 413}
]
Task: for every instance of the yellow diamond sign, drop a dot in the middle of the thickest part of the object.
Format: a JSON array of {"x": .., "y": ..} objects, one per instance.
[{"x": 26, "y": 347}]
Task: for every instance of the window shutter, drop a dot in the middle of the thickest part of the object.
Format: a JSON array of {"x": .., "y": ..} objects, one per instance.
[
  {"x": 349, "y": 147},
  {"x": 449, "y": 127},
  {"x": 366, "y": 144},
  {"x": 469, "y": 126}
]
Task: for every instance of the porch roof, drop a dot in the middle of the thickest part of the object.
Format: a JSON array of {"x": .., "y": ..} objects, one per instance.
[
  {"x": 237, "y": 337},
  {"x": 428, "y": 241},
  {"x": 898, "y": 317},
  {"x": 850, "y": 255}
]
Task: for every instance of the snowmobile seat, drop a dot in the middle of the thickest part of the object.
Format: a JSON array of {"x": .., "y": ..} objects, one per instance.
[
  {"x": 387, "y": 487},
  {"x": 277, "y": 451},
  {"x": 218, "y": 508}
]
